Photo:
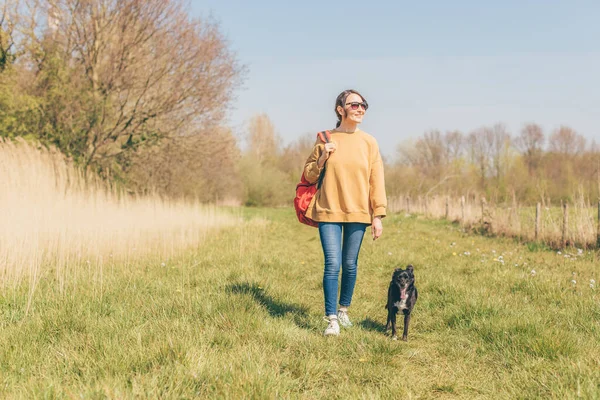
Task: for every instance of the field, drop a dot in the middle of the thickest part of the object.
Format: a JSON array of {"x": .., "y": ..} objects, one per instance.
[{"x": 240, "y": 316}]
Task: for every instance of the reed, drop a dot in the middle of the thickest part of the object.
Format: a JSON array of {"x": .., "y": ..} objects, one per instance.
[{"x": 53, "y": 220}]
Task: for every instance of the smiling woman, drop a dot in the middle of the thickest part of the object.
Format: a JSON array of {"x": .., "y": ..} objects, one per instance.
[
  {"x": 351, "y": 197},
  {"x": 55, "y": 220}
]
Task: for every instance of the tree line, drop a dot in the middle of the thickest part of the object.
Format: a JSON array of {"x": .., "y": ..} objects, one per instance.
[{"x": 530, "y": 166}]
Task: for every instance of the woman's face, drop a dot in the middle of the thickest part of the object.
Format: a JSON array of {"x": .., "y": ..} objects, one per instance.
[{"x": 353, "y": 115}]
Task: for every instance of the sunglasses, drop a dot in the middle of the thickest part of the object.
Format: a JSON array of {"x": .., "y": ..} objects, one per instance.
[{"x": 354, "y": 105}]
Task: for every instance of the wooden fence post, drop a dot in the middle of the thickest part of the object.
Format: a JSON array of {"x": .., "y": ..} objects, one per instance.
[
  {"x": 482, "y": 211},
  {"x": 514, "y": 214},
  {"x": 448, "y": 209},
  {"x": 565, "y": 228},
  {"x": 538, "y": 215},
  {"x": 462, "y": 210},
  {"x": 407, "y": 204}
]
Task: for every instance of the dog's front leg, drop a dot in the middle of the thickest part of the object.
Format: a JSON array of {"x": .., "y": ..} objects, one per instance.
[
  {"x": 389, "y": 320},
  {"x": 406, "y": 322},
  {"x": 393, "y": 315},
  {"x": 389, "y": 308}
]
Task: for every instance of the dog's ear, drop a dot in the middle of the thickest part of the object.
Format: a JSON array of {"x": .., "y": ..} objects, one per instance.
[{"x": 410, "y": 268}]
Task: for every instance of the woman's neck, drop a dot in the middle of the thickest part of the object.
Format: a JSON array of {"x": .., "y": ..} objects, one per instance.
[{"x": 347, "y": 127}]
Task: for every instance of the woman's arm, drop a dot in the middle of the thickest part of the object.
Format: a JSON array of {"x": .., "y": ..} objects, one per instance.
[
  {"x": 316, "y": 161},
  {"x": 378, "y": 199},
  {"x": 312, "y": 169}
]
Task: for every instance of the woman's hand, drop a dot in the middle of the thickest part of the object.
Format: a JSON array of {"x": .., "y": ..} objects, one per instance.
[
  {"x": 329, "y": 148},
  {"x": 376, "y": 227}
]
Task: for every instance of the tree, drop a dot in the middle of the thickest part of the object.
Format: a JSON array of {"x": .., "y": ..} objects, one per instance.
[
  {"x": 500, "y": 146},
  {"x": 530, "y": 144},
  {"x": 432, "y": 154},
  {"x": 295, "y": 155},
  {"x": 589, "y": 169},
  {"x": 480, "y": 150},
  {"x": 428, "y": 153},
  {"x": 566, "y": 142},
  {"x": 454, "y": 142},
  {"x": 263, "y": 142},
  {"x": 7, "y": 41},
  {"x": 264, "y": 183},
  {"x": 19, "y": 110},
  {"x": 202, "y": 166},
  {"x": 141, "y": 70}
]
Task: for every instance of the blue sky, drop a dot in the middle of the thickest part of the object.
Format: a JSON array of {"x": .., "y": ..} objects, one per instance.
[{"x": 430, "y": 65}]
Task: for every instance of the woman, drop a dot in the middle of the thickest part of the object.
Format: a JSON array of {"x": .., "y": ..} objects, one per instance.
[{"x": 351, "y": 197}]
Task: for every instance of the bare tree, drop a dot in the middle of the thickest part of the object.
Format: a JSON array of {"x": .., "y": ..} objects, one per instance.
[
  {"x": 500, "y": 147},
  {"x": 530, "y": 143},
  {"x": 428, "y": 154},
  {"x": 481, "y": 143},
  {"x": 433, "y": 151},
  {"x": 454, "y": 143},
  {"x": 406, "y": 153},
  {"x": 566, "y": 142}
]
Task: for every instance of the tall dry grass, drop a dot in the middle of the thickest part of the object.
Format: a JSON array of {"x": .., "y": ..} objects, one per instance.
[
  {"x": 511, "y": 220},
  {"x": 54, "y": 220}
]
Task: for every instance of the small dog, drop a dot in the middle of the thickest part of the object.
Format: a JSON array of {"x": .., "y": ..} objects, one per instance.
[{"x": 402, "y": 296}]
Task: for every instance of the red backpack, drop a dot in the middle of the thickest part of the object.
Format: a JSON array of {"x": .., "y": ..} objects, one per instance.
[{"x": 305, "y": 190}]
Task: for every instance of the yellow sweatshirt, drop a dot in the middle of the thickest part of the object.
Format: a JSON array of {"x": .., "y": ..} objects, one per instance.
[{"x": 353, "y": 188}]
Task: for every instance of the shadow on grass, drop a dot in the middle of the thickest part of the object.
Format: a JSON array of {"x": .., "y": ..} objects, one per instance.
[
  {"x": 274, "y": 307},
  {"x": 371, "y": 325}
]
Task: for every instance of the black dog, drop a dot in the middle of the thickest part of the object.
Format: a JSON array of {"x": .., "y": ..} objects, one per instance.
[{"x": 402, "y": 295}]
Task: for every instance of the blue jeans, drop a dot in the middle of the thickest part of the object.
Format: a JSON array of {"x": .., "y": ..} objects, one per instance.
[{"x": 337, "y": 254}]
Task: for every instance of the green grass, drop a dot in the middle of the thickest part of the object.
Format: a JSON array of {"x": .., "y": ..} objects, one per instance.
[{"x": 241, "y": 317}]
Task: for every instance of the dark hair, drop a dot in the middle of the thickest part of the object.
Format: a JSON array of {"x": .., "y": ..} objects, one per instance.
[{"x": 341, "y": 101}]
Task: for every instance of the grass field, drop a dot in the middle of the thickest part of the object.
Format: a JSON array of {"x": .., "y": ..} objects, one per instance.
[{"x": 241, "y": 317}]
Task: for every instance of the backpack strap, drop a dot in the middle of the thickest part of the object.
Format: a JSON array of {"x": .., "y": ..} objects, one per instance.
[{"x": 325, "y": 136}]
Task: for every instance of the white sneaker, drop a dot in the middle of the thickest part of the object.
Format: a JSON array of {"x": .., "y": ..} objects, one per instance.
[
  {"x": 333, "y": 329},
  {"x": 343, "y": 319}
]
